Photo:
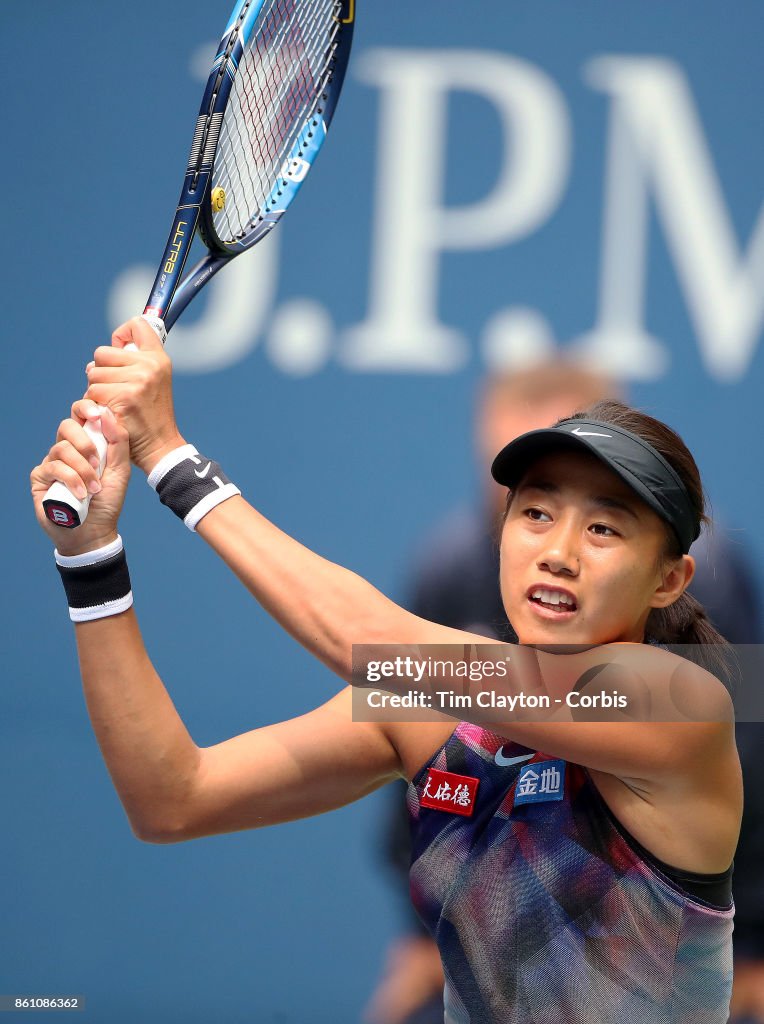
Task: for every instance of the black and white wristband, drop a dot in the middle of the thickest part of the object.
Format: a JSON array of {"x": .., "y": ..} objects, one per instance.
[
  {"x": 190, "y": 484},
  {"x": 97, "y": 583}
]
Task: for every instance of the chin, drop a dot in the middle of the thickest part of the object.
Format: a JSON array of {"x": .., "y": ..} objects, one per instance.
[{"x": 564, "y": 634}]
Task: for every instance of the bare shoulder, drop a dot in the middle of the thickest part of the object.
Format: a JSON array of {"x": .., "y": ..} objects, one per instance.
[
  {"x": 688, "y": 814},
  {"x": 661, "y": 685}
]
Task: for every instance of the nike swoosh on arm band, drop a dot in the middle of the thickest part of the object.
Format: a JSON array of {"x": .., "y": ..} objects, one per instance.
[
  {"x": 635, "y": 461},
  {"x": 190, "y": 484}
]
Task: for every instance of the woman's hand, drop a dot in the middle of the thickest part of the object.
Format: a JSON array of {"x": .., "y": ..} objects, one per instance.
[
  {"x": 73, "y": 460},
  {"x": 137, "y": 387}
]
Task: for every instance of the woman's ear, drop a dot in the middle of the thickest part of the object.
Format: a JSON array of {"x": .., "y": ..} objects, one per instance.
[{"x": 676, "y": 576}]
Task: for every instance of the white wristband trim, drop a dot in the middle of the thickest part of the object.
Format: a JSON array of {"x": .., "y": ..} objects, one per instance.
[
  {"x": 100, "y": 611},
  {"x": 170, "y": 461},
  {"x": 208, "y": 503},
  {"x": 90, "y": 557}
]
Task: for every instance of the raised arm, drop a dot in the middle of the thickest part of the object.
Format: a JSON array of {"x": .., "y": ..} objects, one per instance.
[
  {"x": 325, "y": 607},
  {"x": 171, "y": 788}
]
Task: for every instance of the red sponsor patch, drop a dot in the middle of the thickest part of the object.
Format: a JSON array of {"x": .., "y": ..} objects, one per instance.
[{"x": 446, "y": 791}]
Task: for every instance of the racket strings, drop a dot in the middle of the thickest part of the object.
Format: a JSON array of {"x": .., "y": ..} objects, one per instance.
[
  {"x": 278, "y": 87},
  {"x": 248, "y": 153},
  {"x": 287, "y": 107}
]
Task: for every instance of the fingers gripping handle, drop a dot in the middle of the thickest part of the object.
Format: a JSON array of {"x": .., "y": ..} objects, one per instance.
[{"x": 61, "y": 506}]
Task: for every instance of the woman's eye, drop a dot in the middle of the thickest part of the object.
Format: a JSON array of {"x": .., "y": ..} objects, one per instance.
[
  {"x": 536, "y": 514},
  {"x": 603, "y": 531}
]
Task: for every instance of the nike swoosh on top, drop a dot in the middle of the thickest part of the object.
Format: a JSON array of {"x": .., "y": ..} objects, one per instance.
[
  {"x": 504, "y": 761},
  {"x": 204, "y": 472},
  {"x": 588, "y": 433}
]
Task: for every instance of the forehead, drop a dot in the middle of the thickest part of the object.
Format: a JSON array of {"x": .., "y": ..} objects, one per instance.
[{"x": 583, "y": 473}]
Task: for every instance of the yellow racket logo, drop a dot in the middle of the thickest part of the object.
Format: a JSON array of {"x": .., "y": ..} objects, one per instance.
[
  {"x": 175, "y": 245},
  {"x": 217, "y": 198}
]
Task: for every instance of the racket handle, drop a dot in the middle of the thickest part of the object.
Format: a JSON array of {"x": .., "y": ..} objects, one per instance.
[
  {"x": 60, "y": 505},
  {"x": 157, "y": 324}
]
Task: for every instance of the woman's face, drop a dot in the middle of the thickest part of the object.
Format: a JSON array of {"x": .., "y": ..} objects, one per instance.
[{"x": 581, "y": 556}]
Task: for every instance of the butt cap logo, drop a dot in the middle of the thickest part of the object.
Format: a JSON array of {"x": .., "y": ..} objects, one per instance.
[{"x": 60, "y": 515}]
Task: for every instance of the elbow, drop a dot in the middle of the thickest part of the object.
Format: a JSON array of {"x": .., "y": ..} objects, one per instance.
[
  {"x": 145, "y": 837},
  {"x": 158, "y": 838},
  {"x": 159, "y": 833}
]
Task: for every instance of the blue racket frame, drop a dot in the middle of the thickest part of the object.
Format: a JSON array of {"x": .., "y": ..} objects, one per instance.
[{"x": 169, "y": 296}]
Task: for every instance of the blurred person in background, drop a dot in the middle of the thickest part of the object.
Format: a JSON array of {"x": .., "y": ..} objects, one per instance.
[{"x": 456, "y": 583}]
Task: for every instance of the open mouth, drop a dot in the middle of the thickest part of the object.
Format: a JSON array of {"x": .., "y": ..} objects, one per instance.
[{"x": 557, "y": 602}]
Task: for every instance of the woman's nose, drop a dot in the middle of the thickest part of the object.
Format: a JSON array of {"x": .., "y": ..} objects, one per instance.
[{"x": 560, "y": 553}]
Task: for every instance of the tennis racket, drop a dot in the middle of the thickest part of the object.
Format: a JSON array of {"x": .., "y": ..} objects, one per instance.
[{"x": 267, "y": 105}]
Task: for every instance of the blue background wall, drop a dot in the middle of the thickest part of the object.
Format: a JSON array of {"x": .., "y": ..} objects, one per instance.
[{"x": 356, "y": 458}]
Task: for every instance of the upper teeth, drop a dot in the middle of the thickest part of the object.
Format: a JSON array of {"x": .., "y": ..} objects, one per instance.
[{"x": 552, "y": 597}]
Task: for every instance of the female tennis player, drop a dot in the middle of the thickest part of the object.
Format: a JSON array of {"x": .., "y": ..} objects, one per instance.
[{"x": 570, "y": 870}]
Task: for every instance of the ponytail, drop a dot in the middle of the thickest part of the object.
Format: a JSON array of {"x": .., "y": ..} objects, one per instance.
[
  {"x": 686, "y": 624},
  {"x": 683, "y": 622}
]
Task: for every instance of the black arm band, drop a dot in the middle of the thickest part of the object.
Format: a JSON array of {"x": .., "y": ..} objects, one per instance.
[{"x": 97, "y": 583}]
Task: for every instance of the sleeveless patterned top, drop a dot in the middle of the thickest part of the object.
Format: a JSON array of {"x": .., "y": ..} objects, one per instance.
[{"x": 541, "y": 909}]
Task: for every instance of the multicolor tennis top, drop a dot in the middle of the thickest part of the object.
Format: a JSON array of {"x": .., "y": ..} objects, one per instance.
[{"x": 543, "y": 911}]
